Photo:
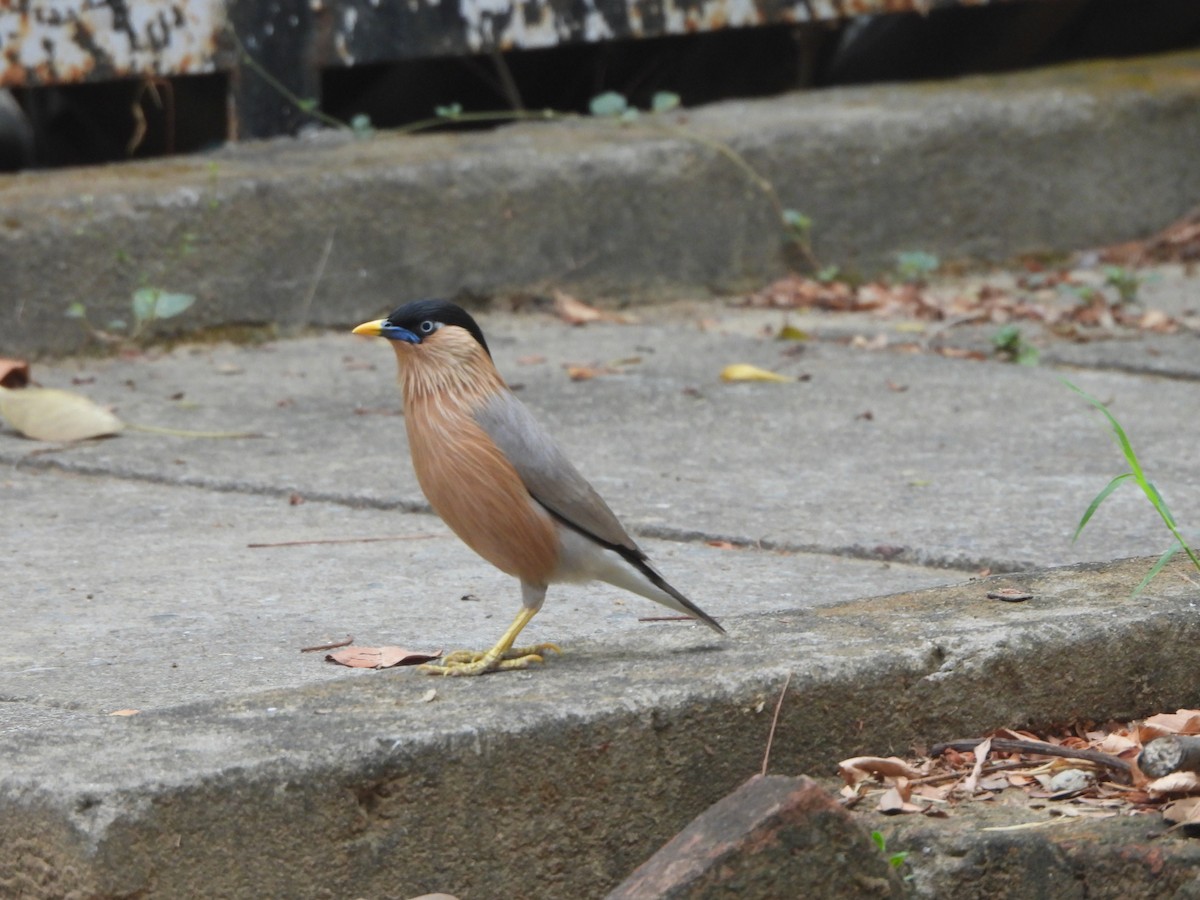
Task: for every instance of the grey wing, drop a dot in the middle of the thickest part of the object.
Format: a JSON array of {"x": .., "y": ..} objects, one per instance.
[{"x": 547, "y": 473}]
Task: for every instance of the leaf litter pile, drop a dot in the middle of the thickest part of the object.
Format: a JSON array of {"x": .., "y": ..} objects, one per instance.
[
  {"x": 1142, "y": 767},
  {"x": 1101, "y": 293},
  {"x": 1068, "y": 302}
]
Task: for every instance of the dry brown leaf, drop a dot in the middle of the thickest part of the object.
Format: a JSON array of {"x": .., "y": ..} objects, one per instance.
[
  {"x": 1183, "y": 812},
  {"x": 125, "y": 712},
  {"x": 586, "y": 373},
  {"x": 1156, "y": 320},
  {"x": 48, "y": 414},
  {"x": 14, "y": 373},
  {"x": 575, "y": 312},
  {"x": 1183, "y": 721},
  {"x": 962, "y": 353},
  {"x": 862, "y": 342},
  {"x": 860, "y": 768},
  {"x": 1116, "y": 744},
  {"x": 379, "y": 657},
  {"x": 982, "y": 749},
  {"x": 1175, "y": 783},
  {"x": 892, "y": 802}
]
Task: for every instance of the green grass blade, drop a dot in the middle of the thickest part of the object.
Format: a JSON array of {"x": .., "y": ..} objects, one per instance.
[
  {"x": 1122, "y": 438},
  {"x": 1158, "y": 567},
  {"x": 1100, "y": 498},
  {"x": 1160, "y": 504}
]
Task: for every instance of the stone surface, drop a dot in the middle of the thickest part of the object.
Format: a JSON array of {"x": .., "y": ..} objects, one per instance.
[
  {"x": 765, "y": 839},
  {"x": 289, "y": 233},
  {"x": 994, "y": 850}
]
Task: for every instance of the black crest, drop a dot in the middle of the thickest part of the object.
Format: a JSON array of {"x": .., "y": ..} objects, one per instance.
[{"x": 443, "y": 312}]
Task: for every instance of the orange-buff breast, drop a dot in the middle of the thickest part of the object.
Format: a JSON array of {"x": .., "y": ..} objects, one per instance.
[{"x": 474, "y": 488}]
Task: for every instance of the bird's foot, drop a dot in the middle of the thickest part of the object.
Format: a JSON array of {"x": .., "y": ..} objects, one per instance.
[{"x": 470, "y": 662}]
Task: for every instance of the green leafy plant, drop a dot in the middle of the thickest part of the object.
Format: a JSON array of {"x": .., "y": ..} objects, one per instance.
[
  {"x": 1124, "y": 281},
  {"x": 608, "y": 105},
  {"x": 1011, "y": 344},
  {"x": 148, "y": 305},
  {"x": 1137, "y": 475},
  {"x": 916, "y": 265},
  {"x": 895, "y": 860}
]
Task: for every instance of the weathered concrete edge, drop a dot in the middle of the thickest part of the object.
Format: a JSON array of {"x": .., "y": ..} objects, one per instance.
[
  {"x": 362, "y": 787},
  {"x": 985, "y": 167}
]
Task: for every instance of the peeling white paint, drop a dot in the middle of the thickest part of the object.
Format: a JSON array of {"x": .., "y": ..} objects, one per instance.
[{"x": 45, "y": 41}]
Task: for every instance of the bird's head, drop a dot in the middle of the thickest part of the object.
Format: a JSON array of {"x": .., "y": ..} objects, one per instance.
[{"x": 433, "y": 323}]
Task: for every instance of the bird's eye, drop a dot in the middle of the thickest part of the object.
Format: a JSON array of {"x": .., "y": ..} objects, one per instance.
[{"x": 427, "y": 327}]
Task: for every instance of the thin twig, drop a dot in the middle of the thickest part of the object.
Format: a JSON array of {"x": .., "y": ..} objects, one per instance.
[
  {"x": 346, "y": 643},
  {"x": 363, "y": 540},
  {"x": 507, "y": 83},
  {"x": 308, "y": 107},
  {"x": 186, "y": 433},
  {"x": 316, "y": 280},
  {"x": 774, "y": 722},
  {"x": 988, "y": 769},
  {"x": 1007, "y": 745}
]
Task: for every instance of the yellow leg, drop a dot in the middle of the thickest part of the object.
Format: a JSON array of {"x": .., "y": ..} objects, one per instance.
[{"x": 500, "y": 657}]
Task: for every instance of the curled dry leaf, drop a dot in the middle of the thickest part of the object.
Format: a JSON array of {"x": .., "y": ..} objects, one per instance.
[
  {"x": 1175, "y": 783},
  {"x": 747, "y": 372},
  {"x": 575, "y": 312},
  {"x": 1183, "y": 812},
  {"x": 860, "y": 768},
  {"x": 48, "y": 414},
  {"x": 14, "y": 373},
  {"x": 895, "y": 801},
  {"x": 380, "y": 657},
  {"x": 1183, "y": 721}
]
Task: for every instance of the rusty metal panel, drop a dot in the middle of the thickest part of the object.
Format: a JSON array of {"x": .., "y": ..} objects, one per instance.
[
  {"x": 69, "y": 41},
  {"x": 66, "y": 41},
  {"x": 360, "y": 31}
]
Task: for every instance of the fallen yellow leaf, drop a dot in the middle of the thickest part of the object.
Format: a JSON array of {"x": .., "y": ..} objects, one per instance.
[
  {"x": 792, "y": 333},
  {"x": 747, "y": 372},
  {"x": 48, "y": 414}
]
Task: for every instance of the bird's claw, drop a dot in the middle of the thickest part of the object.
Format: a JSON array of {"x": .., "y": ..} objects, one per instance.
[{"x": 473, "y": 662}]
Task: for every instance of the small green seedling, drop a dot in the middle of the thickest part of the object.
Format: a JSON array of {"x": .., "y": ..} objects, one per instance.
[
  {"x": 147, "y": 305},
  {"x": 895, "y": 860},
  {"x": 1124, "y": 281},
  {"x": 1011, "y": 344},
  {"x": 916, "y": 266},
  {"x": 1138, "y": 476}
]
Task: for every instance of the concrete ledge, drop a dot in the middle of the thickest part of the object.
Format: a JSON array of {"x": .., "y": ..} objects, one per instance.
[
  {"x": 560, "y": 782},
  {"x": 983, "y": 167}
]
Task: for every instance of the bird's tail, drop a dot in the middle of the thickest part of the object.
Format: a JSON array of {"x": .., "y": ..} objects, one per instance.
[{"x": 642, "y": 578}]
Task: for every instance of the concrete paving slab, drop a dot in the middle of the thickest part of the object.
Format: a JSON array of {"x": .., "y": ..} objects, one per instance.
[
  {"x": 365, "y": 787},
  {"x": 121, "y": 594},
  {"x": 897, "y": 456}
]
